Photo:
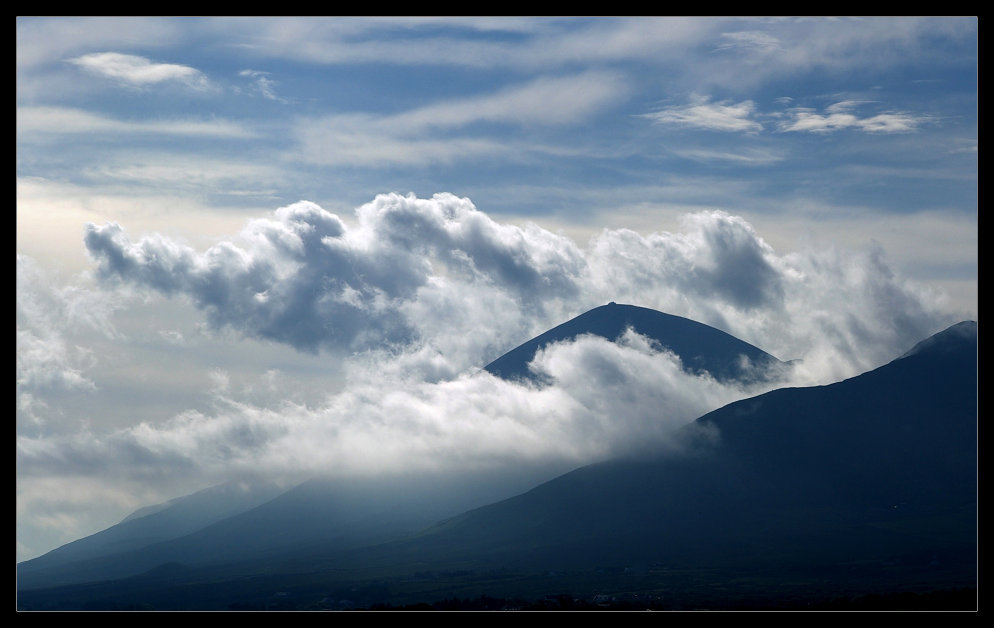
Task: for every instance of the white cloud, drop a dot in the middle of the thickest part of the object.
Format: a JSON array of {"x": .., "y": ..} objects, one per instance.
[
  {"x": 387, "y": 422},
  {"x": 806, "y": 120},
  {"x": 53, "y": 121},
  {"x": 740, "y": 117},
  {"x": 44, "y": 40},
  {"x": 435, "y": 133},
  {"x": 547, "y": 100},
  {"x": 752, "y": 41},
  {"x": 722, "y": 116},
  {"x": 138, "y": 71},
  {"x": 543, "y": 42},
  {"x": 749, "y": 157},
  {"x": 48, "y": 360},
  {"x": 306, "y": 279},
  {"x": 263, "y": 84}
]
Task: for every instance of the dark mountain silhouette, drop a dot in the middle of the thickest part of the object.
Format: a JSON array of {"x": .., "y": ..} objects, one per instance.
[
  {"x": 214, "y": 527},
  {"x": 323, "y": 515},
  {"x": 154, "y": 524},
  {"x": 875, "y": 473},
  {"x": 700, "y": 348},
  {"x": 148, "y": 526},
  {"x": 865, "y": 486}
]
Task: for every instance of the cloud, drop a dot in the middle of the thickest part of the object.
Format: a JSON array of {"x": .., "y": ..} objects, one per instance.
[
  {"x": 544, "y": 42},
  {"x": 187, "y": 172},
  {"x": 44, "y": 121},
  {"x": 437, "y": 132},
  {"x": 838, "y": 117},
  {"x": 547, "y": 100},
  {"x": 739, "y": 118},
  {"x": 42, "y": 40},
  {"x": 424, "y": 276},
  {"x": 752, "y": 41},
  {"x": 48, "y": 361},
  {"x": 263, "y": 84},
  {"x": 723, "y": 116},
  {"x": 753, "y": 157},
  {"x": 386, "y": 422},
  {"x": 135, "y": 71},
  {"x": 304, "y": 278}
]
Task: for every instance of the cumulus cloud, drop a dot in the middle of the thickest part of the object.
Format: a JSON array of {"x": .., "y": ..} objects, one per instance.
[
  {"x": 445, "y": 287},
  {"x": 303, "y": 278},
  {"x": 702, "y": 114},
  {"x": 136, "y": 71}
]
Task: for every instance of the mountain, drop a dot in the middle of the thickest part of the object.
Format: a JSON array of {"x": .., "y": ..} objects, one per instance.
[
  {"x": 862, "y": 487},
  {"x": 871, "y": 479},
  {"x": 212, "y": 527},
  {"x": 701, "y": 348},
  {"x": 326, "y": 515},
  {"x": 154, "y": 524}
]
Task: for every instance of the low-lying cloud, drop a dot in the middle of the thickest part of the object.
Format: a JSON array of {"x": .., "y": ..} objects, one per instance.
[{"x": 608, "y": 399}]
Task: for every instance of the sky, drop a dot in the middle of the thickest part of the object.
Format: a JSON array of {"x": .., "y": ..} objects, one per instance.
[{"x": 278, "y": 247}]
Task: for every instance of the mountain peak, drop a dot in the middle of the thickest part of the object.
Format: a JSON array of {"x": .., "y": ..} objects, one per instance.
[
  {"x": 960, "y": 334},
  {"x": 701, "y": 348}
]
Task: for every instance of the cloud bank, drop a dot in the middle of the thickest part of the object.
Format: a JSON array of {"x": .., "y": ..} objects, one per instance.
[
  {"x": 407, "y": 272},
  {"x": 414, "y": 295}
]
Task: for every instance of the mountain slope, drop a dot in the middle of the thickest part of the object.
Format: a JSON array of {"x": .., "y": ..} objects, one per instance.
[
  {"x": 699, "y": 347},
  {"x": 879, "y": 469},
  {"x": 155, "y": 524},
  {"x": 865, "y": 485},
  {"x": 339, "y": 515},
  {"x": 320, "y": 515}
]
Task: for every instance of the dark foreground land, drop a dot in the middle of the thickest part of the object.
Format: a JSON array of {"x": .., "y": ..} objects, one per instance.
[{"x": 847, "y": 588}]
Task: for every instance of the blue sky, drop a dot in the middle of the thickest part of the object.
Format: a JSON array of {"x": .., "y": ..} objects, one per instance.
[{"x": 234, "y": 233}]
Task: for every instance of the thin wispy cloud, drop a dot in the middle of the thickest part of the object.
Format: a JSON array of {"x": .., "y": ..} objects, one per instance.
[
  {"x": 435, "y": 133},
  {"x": 740, "y": 117},
  {"x": 748, "y": 40},
  {"x": 748, "y": 157},
  {"x": 838, "y": 117},
  {"x": 54, "y": 121},
  {"x": 711, "y": 116},
  {"x": 263, "y": 84},
  {"x": 136, "y": 71},
  {"x": 546, "y": 100}
]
